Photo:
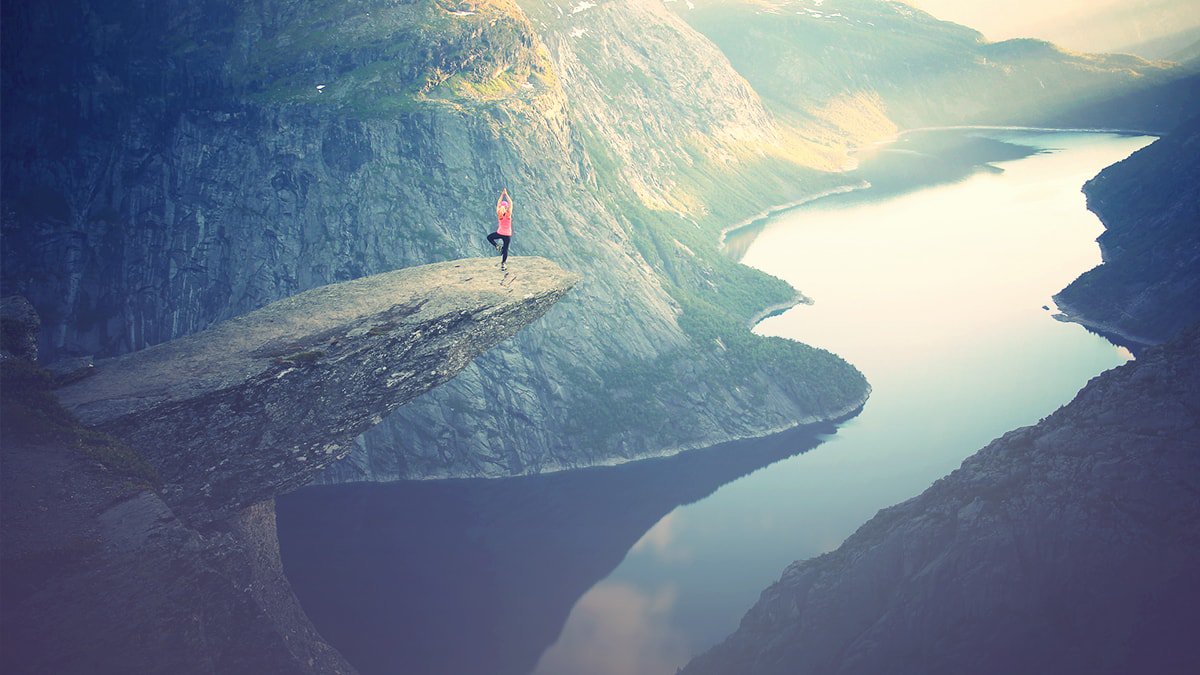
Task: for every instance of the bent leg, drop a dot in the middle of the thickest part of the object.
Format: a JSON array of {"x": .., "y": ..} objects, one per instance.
[{"x": 492, "y": 238}]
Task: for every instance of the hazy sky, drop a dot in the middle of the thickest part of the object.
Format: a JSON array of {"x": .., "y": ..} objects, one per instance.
[{"x": 1085, "y": 25}]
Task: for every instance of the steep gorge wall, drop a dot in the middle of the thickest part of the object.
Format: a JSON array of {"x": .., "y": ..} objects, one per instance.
[
  {"x": 1148, "y": 288},
  {"x": 1067, "y": 546},
  {"x": 169, "y": 165},
  {"x": 178, "y": 165}
]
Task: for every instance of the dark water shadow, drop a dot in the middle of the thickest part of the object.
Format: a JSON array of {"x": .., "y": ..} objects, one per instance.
[
  {"x": 1135, "y": 347},
  {"x": 479, "y": 576},
  {"x": 914, "y": 161},
  {"x": 738, "y": 241}
]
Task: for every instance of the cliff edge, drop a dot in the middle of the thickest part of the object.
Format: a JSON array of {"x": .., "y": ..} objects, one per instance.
[
  {"x": 136, "y": 505},
  {"x": 259, "y": 404}
]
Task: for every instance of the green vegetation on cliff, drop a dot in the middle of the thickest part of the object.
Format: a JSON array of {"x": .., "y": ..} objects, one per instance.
[
  {"x": 725, "y": 366},
  {"x": 387, "y": 59}
]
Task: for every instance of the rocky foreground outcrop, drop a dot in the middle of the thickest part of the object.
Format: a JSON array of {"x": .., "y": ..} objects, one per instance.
[
  {"x": 102, "y": 572},
  {"x": 1072, "y": 546},
  {"x": 19, "y": 325},
  {"x": 259, "y": 404}
]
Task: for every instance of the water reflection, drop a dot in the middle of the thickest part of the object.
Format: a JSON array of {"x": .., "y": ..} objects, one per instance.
[
  {"x": 936, "y": 293},
  {"x": 621, "y": 629},
  {"x": 478, "y": 576},
  {"x": 913, "y": 161}
]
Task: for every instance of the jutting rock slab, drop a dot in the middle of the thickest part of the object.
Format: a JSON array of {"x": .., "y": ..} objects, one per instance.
[{"x": 257, "y": 405}]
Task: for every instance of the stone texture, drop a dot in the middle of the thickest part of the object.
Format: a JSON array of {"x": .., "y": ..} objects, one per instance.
[
  {"x": 1069, "y": 546},
  {"x": 19, "y": 326},
  {"x": 99, "y": 576},
  {"x": 66, "y": 371},
  {"x": 254, "y": 406}
]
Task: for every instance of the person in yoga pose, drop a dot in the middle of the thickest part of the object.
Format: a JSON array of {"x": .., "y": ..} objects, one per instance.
[{"x": 503, "y": 231}]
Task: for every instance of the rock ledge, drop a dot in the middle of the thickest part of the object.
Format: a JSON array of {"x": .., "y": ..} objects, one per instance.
[{"x": 220, "y": 414}]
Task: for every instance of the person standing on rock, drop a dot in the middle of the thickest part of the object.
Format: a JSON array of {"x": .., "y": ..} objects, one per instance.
[{"x": 504, "y": 229}]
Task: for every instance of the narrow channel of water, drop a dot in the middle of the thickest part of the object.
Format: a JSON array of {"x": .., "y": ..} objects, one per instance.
[{"x": 934, "y": 283}]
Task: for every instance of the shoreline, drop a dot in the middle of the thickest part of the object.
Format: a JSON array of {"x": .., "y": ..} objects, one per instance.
[
  {"x": 773, "y": 211},
  {"x": 777, "y": 209},
  {"x": 1136, "y": 345},
  {"x": 1002, "y": 127},
  {"x": 838, "y": 416},
  {"x": 1133, "y": 343},
  {"x": 778, "y": 308}
]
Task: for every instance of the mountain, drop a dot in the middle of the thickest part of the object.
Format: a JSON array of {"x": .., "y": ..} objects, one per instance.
[
  {"x": 170, "y": 165},
  {"x": 1156, "y": 106},
  {"x": 1179, "y": 47},
  {"x": 815, "y": 57},
  {"x": 227, "y": 154},
  {"x": 1148, "y": 288},
  {"x": 1143, "y": 27},
  {"x": 1189, "y": 54}
]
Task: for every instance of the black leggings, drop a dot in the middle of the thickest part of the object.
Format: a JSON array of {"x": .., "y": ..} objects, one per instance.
[{"x": 504, "y": 251}]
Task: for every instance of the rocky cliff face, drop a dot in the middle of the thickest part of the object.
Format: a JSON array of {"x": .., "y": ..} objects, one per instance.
[
  {"x": 286, "y": 145},
  {"x": 153, "y": 548},
  {"x": 260, "y": 404},
  {"x": 1148, "y": 288},
  {"x": 101, "y": 576},
  {"x": 19, "y": 326},
  {"x": 1069, "y": 546}
]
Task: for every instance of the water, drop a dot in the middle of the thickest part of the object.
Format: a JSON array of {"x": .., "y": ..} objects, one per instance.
[{"x": 933, "y": 283}]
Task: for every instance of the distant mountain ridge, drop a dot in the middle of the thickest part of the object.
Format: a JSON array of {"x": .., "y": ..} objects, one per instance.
[
  {"x": 1147, "y": 28},
  {"x": 922, "y": 71}
]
